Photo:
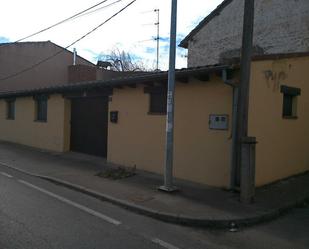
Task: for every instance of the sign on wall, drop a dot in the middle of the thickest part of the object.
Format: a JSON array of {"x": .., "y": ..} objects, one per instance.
[{"x": 218, "y": 122}]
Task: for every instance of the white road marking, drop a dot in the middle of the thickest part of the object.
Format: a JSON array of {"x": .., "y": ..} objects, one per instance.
[
  {"x": 164, "y": 244},
  {"x": 5, "y": 174},
  {"x": 74, "y": 204}
]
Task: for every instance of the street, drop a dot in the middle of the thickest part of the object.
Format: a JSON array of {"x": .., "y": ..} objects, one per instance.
[{"x": 38, "y": 214}]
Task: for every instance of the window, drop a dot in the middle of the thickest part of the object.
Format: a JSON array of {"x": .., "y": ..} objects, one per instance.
[
  {"x": 41, "y": 108},
  {"x": 158, "y": 98},
  {"x": 10, "y": 109},
  {"x": 290, "y": 101}
]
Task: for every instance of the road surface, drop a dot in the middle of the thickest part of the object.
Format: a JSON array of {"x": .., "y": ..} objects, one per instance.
[{"x": 35, "y": 213}]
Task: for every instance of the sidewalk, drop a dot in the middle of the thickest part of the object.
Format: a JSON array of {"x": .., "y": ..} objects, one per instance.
[{"x": 194, "y": 205}]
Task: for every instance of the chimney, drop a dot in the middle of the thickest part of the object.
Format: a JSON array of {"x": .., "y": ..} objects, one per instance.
[{"x": 74, "y": 56}]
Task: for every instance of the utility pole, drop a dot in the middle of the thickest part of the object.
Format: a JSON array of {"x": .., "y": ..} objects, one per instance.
[
  {"x": 158, "y": 35},
  {"x": 246, "y": 145},
  {"x": 168, "y": 169}
]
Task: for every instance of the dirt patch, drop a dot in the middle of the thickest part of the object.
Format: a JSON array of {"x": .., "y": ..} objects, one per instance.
[{"x": 117, "y": 173}]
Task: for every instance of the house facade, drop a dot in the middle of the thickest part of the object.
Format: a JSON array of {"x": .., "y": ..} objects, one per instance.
[
  {"x": 123, "y": 119},
  {"x": 137, "y": 136},
  {"x": 280, "y": 26}
]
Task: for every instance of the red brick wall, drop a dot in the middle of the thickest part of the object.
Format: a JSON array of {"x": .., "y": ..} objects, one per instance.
[{"x": 80, "y": 73}]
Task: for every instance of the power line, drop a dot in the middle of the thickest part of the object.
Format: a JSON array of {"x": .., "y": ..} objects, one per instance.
[
  {"x": 61, "y": 22},
  {"x": 98, "y": 9},
  {"x": 76, "y": 41}
]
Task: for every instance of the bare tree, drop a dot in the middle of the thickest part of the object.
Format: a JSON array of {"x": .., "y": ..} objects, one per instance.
[{"x": 122, "y": 61}]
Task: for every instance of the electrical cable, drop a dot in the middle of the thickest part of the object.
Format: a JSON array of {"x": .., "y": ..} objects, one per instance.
[
  {"x": 98, "y": 9},
  {"x": 63, "y": 49},
  {"x": 60, "y": 22}
]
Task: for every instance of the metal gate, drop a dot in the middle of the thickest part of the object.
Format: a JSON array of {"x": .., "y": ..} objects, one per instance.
[{"x": 89, "y": 121}]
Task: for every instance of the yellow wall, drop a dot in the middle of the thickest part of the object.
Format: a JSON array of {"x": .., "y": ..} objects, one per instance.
[
  {"x": 282, "y": 148},
  {"x": 24, "y": 130},
  {"x": 200, "y": 154},
  {"x": 67, "y": 125}
]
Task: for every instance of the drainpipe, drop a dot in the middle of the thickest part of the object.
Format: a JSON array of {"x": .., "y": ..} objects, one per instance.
[{"x": 233, "y": 162}]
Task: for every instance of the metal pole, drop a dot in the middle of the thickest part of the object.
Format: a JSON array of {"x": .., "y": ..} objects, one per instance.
[
  {"x": 242, "y": 116},
  {"x": 234, "y": 139},
  {"x": 245, "y": 67},
  {"x": 158, "y": 36},
  {"x": 168, "y": 169}
]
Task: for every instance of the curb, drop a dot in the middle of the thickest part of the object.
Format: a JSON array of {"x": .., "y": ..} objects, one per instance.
[{"x": 170, "y": 217}]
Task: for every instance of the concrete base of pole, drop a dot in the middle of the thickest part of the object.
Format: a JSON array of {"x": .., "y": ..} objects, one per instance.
[
  {"x": 168, "y": 189},
  {"x": 247, "y": 179}
]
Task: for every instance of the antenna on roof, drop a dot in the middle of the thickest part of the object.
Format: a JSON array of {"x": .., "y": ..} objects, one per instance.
[{"x": 158, "y": 36}]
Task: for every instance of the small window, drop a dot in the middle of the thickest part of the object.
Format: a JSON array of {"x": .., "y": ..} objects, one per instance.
[
  {"x": 290, "y": 95},
  {"x": 41, "y": 108},
  {"x": 158, "y": 103},
  {"x": 158, "y": 100},
  {"x": 10, "y": 109}
]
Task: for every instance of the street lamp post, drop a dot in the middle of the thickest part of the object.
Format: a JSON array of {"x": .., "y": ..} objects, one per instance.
[{"x": 168, "y": 169}]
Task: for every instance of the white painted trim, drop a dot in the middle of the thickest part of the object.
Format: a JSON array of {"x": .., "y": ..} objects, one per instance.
[{"x": 74, "y": 204}]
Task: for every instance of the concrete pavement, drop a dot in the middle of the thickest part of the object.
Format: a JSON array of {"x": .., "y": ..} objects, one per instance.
[{"x": 194, "y": 205}]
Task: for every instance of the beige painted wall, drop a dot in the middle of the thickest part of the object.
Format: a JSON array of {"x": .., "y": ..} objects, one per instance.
[
  {"x": 24, "y": 130},
  {"x": 201, "y": 155},
  {"x": 282, "y": 148},
  {"x": 67, "y": 125}
]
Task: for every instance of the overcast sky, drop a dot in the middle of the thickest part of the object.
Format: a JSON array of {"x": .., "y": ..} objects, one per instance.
[{"x": 133, "y": 30}]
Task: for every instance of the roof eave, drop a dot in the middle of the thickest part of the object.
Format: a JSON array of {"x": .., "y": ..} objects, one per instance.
[{"x": 101, "y": 84}]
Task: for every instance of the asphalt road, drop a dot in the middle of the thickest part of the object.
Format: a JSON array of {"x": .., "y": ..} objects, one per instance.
[{"x": 38, "y": 214}]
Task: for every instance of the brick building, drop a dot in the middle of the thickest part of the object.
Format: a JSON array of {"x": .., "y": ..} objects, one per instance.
[{"x": 281, "y": 26}]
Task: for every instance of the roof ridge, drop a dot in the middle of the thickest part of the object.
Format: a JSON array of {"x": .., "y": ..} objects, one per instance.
[
  {"x": 45, "y": 42},
  {"x": 21, "y": 43}
]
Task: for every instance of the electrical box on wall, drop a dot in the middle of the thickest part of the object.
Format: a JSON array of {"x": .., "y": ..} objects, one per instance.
[
  {"x": 218, "y": 122},
  {"x": 114, "y": 116}
]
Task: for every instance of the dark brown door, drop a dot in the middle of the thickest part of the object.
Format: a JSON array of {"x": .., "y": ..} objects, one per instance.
[{"x": 89, "y": 120}]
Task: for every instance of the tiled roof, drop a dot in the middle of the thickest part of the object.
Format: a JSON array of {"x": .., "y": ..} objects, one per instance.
[{"x": 141, "y": 78}]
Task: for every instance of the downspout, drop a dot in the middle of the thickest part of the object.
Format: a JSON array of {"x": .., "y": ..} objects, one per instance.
[{"x": 233, "y": 161}]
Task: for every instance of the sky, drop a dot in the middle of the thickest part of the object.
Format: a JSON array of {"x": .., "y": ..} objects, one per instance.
[{"x": 133, "y": 30}]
